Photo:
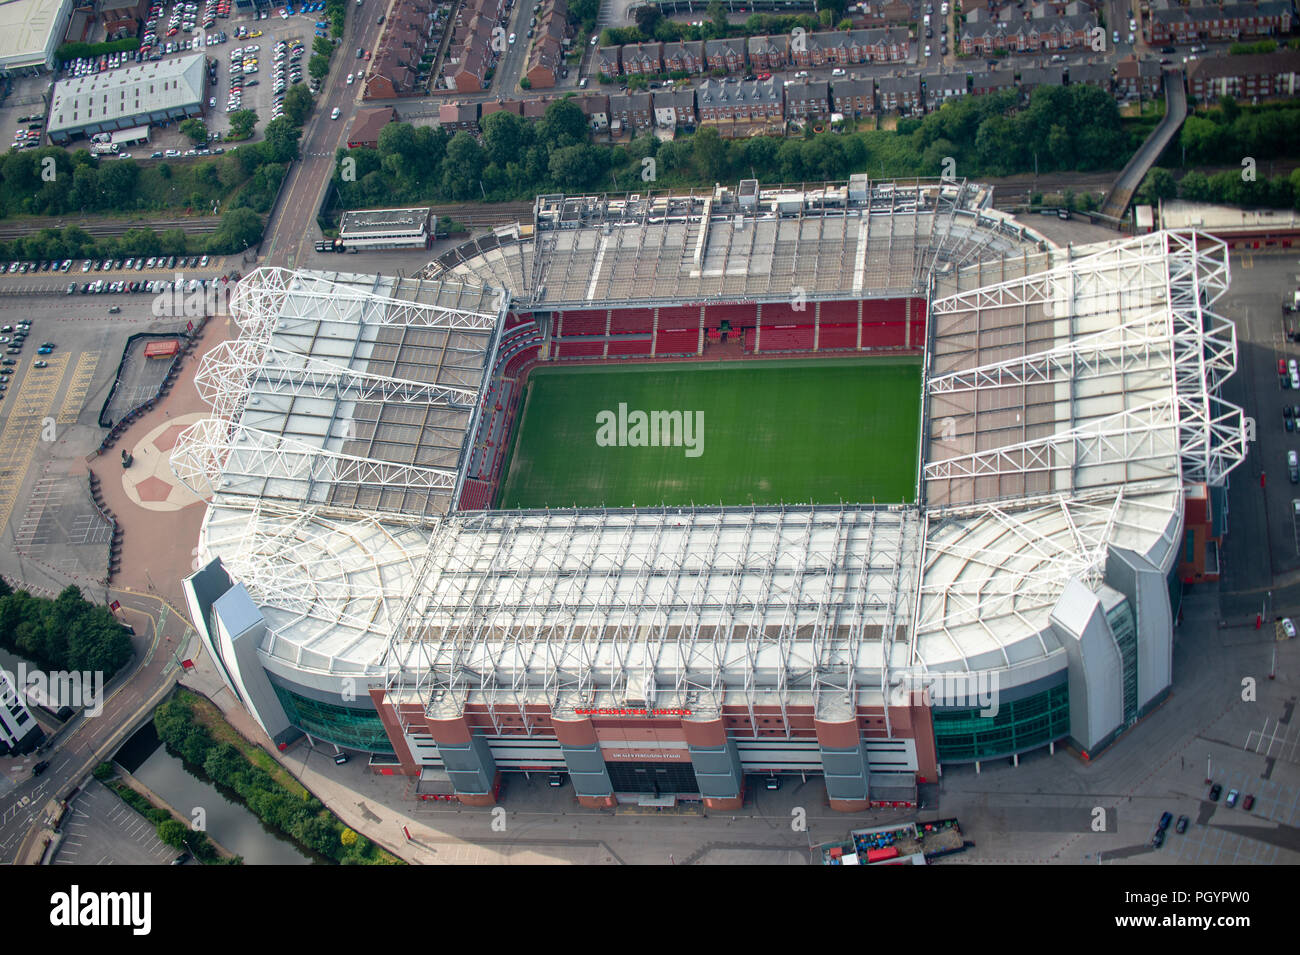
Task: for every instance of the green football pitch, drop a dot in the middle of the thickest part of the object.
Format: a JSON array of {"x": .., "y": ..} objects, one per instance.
[{"x": 805, "y": 431}]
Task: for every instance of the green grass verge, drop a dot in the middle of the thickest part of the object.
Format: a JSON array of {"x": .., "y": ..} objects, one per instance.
[{"x": 800, "y": 431}]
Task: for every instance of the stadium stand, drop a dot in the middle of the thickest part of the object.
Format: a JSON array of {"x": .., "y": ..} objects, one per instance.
[
  {"x": 673, "y": 341},
  {"x": 583, "y": 349},
  {"x": 623, "y": 321},
  {"x": 786, "y": 338},
  {"x": 639, "y": 346},
  {"x": 832, "y": 337},
  {"x": 581, "y": 323},
  {"x": 475, "y": 496}
]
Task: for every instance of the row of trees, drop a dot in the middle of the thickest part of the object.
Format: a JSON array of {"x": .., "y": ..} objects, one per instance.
[
  {"x": 244, "y": 182},
  {"x": 302, "y": 817},
  {"x": 1227, "y": 133},
  {"x": 1075, "y": 127},
  {"x": 76, "y": 51},
  {"x": 66, "y": 633},
  {"x": 1278, "y": 192}
]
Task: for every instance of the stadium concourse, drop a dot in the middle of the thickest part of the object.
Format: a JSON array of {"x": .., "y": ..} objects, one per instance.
[{"x": 1072, "y": 454}]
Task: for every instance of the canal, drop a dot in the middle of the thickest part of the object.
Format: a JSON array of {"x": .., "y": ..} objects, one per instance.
[{"x": 229, "y": 822}]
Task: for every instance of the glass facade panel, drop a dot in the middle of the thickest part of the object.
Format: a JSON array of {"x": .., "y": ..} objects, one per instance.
[
  {"x": 964, "y": 735},
  {"x": 341, "y": 725},
  {"x": 1123, "y": 626}
]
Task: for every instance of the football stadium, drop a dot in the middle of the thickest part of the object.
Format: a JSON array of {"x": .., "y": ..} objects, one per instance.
[{"x": 849, "y": 480}]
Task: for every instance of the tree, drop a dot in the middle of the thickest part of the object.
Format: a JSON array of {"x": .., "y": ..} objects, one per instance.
[
  {"x": 718, "y": 19},
  {"x": 242, "y": 122},
  {"x": 577, "y": 167},
  {"x": 195, "y": 130},
  {"x": 503, "y": 135},
  {"x": 647, "y": 18},
  {"x": 562, "y": 125},
  {"x": 318, "y": 66},
  {"x": 117, "y": 184},
  {"x": 1158, "y": 184},
  {"x": 709, "y": 153},
  {"x": 462, "y": 166},
  {"x": 239, "y": 229},
  {"x": 297, "y": 104},
  {"x": 172, "y": 833},
  {"x": 281, "y": 143}
]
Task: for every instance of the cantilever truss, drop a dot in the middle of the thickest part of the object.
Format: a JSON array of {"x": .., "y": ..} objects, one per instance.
[
  {"x": 229, "y": 372},
  {"x": 1004, "y": 563},
  {"x": 1163, "y": 284},
  {"x": 298, "y": 412},
  {"x": 268, "y": 296},
  {"x": 767, "y": 604},
  {"x": 218, "y": 457}
]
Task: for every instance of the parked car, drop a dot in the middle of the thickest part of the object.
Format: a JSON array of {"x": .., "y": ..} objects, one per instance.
[
  {"x": 1248, "y": 803},
  {"x": 1181, "y": 825},
  {"x": 1165, "y": 819},
  {"x": 1158, "y": 839},
  {"x": 1215, "y": 791}
]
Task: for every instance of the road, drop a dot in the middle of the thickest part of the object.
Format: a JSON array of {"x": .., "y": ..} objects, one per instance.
[
  {"x": 87, "y": 741},
  {"x": 293, "y": 229}
]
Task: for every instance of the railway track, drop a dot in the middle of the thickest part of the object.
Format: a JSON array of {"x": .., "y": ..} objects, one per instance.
[{"x": 193, "y": 225}]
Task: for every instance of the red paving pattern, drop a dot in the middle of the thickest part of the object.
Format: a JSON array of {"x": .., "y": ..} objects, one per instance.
[{"x": 158, "y": 546}]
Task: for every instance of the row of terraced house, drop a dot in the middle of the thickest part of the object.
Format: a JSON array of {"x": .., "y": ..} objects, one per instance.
[
  {"x": 1015, "y": 29},
  {"x": 756, "y": 107},
  {"x": 778, "y": 52},
  {"x": 1178, "y": 23},
  {"x": 410, "y": 39},
  {"x": 394, "y": 68}
]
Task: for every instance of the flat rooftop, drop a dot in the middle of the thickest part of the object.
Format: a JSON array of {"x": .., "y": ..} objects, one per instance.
[
  {"x": 139, "y": 90},
  {"x": 370, "y": 222}
]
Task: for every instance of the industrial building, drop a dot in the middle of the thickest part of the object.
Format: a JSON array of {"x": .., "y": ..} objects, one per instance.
[
  {"x": 386, "y": 229},
  {"x": 357, "y": 586},
  {"x": 30, "y": 32},
  {"x": 142, "y": 94}
]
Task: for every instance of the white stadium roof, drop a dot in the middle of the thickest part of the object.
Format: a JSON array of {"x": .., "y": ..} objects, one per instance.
[{"x": 1068, "y": 403}]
